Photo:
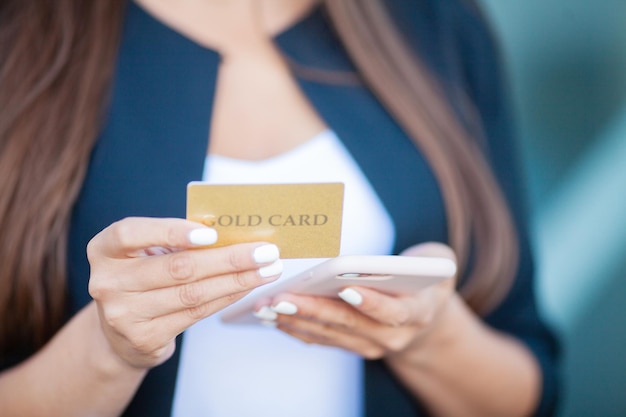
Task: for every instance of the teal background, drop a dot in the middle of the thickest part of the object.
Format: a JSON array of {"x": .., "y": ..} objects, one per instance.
[{"x": 566, "y": 61}]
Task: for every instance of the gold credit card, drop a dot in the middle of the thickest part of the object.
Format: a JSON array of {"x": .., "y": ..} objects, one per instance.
[{"x": 303, "y": 220}]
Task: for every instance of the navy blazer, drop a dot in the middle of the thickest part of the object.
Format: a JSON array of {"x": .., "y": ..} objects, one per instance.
[{"x": 154, "y": 142}]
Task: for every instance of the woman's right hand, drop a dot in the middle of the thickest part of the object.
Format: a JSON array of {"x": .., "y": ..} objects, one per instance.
[{"x": 152, "y": 278}]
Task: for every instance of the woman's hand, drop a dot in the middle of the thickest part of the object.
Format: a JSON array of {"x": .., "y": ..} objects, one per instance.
[
  {"x": 367, "y": 322},
  {"x": 152, "y": 279}
]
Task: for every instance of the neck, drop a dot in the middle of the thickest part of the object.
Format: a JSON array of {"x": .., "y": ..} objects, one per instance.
[
  {"x": 280, "y": 14},
  {"x": 219, "y": 23}
]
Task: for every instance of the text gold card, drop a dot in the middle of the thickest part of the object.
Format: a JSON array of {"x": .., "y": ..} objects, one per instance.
[{"x": 303, "y": 220}]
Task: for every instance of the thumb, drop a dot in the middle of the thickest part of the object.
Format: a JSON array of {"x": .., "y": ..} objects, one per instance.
[{"x": 431, "y": 250}]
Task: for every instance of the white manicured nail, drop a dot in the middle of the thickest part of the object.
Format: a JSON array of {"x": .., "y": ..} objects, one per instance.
[
  {"x": 272, "y": 269},
  {"x": 266, "y": 314},
  {"x": 350, "y": 296},
  {"x": 266, "y": 253},
  {"x": 204, "y": 236},
  {"x": 269, "y": 323},
  {"x": 285, "y": 307}
]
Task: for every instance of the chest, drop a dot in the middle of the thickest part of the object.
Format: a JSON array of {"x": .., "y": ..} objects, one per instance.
[
  {"x": 259, "y": 110},
  {"x": 154, "y": 140}
]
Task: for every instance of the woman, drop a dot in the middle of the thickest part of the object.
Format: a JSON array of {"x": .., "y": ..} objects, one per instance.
[{"x": 107, "y": 110}]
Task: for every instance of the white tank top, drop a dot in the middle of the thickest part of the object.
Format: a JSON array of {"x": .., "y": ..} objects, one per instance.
[{"x": 241, "y": 371}]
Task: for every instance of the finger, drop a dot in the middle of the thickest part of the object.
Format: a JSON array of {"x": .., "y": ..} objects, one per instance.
[
  {"x": 336, "y": 319},
  {"x": 181, "y": 320},
  {"x": 148, "y": 273},
  {"x": 151, "y": 334},
  {"x": 193, "y": 265},
  {"x": 324, "y": 310},
  {"x": 314, "y": 332},
  {"x": 132, "y": 235},
  {"x": 366, "y": 308},
  {"x": 395, "y": 310},
  {"x": 196, "y": 294},
  {"x": 431, "y": 249}
]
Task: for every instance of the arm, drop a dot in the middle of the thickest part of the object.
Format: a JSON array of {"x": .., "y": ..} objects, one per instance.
[
  {"x": 465, "y": 368},
  {"x": 462, "y": 368},
  {"x": 474, "y": 64},
  {"x": 150, "y": 279},
  {"x": 75, "y": 374},
  {"x": 441, "y": 352}
]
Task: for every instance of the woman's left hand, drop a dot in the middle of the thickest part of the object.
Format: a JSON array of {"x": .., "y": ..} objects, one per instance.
[{"x": 365, "y": 321}]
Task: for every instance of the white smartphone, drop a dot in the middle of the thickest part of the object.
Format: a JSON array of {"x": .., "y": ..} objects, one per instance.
[{"x": 391, "y": 274}]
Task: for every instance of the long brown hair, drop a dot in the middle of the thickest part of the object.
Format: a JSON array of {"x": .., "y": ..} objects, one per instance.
[
  {"x": 477, "y": 213},
  {"x": 56, "y": 63},
  {"x": 56, "y": 60}
]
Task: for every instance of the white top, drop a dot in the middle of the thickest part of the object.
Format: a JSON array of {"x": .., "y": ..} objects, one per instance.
[{"x": 239, "y": 370}]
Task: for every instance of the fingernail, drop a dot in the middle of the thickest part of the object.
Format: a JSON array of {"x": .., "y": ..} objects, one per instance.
[
  {"x": 272, "y": 269},
  {"x": 266, "y": 314},
  {"x": 269, "y": 323},
  {"x": 203, "y": 236},
  {"x": 285, "y": 307},
  {"x": 265, "y": 254},
  {"x": 350, "y": 296}
]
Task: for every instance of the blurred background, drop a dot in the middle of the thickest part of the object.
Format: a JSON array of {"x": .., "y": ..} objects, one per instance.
[{"x": 567, "y": 64}]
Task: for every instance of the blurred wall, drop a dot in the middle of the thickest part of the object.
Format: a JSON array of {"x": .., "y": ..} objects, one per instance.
[{"x": 567, "y": 65}]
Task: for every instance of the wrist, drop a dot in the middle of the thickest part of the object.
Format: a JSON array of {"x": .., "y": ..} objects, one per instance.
[{"x": 101, "y": 357}]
